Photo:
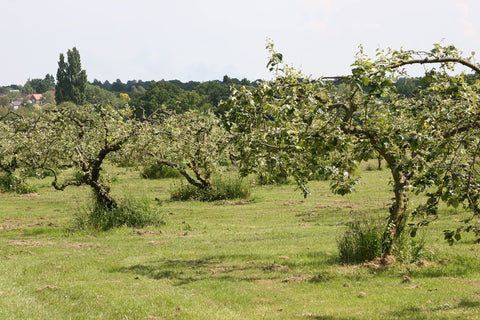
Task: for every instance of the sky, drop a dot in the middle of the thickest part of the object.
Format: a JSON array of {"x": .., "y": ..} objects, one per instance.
[{"x": 207, "y": 39}]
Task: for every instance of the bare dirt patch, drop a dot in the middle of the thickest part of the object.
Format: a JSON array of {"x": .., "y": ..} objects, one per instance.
[
  {"x": 31, "y": 195},
  {"x": 84, "y": 245},
  {"x": 291, "y": 203},
  {"x": 383, "y": 262},
  {"x": 144, "y": 232},
  {"x": 298, "y": 278}
]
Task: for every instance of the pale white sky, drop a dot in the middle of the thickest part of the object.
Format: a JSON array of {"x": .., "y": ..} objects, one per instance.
[{"x": 204, "y": 40}]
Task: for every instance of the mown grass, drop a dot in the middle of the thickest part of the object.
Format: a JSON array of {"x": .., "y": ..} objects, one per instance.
[{"x": 272, "y": 256}]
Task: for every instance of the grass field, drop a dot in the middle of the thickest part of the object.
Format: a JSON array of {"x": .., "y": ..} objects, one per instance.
[{"x": 272, "y": 256}]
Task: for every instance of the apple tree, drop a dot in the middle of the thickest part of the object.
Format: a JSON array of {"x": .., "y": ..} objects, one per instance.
[
  {"x": 82, "y": 137},
  {"x": 193, "y": 143},
  {"x": 429, "y": 140}
]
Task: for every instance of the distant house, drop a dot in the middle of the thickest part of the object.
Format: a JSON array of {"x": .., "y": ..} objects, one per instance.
[
  {"x": 35, "y": 98},
  {"x": 39, "y": 99},
  {"x": 16, "y": 104}
]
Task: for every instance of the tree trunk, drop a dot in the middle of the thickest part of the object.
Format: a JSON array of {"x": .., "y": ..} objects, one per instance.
[
  {"x": 202, "y": 183},
  {"x": 103, "y": 196},
  {"x": 398, "y": 216}
]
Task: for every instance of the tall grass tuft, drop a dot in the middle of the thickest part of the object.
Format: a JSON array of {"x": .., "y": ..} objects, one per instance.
[
  {"x": 362, "y": 241},
  {"x": 129, "y": 213}
]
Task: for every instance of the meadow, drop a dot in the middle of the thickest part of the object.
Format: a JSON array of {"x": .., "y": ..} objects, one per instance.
[{"x": 271, "y": 256}]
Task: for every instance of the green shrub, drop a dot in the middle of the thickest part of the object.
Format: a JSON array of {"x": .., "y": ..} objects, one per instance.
[
  {"x": 158, "y": 171},
  {"x": 221, "y": 189},
  {"x": 125, "y": 163},
  {"x": 11, "y": 183},
  {"x": 39, "y": 173},
  {"x": 123, "y": 160},
  {"x": 362, "y": 241},
  {"x": 129, "y": 213}
]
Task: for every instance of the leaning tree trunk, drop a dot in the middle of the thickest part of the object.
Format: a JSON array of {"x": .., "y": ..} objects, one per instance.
[{"x": 200, "y": 183}]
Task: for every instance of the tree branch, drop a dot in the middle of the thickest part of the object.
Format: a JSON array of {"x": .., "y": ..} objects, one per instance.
[
  {"x": 65, "y": 184},
  {"x": 182, "y": 172},
  {"x": 428, "y": 60}
]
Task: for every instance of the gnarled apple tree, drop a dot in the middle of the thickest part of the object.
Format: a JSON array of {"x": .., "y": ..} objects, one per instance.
[
  {"x": 192, "y": 142},
  {"x": 82, "y": 137}
]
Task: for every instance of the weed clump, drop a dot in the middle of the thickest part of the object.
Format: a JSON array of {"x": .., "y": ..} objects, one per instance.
[
  {"x": 129, "y": 213},
  {"x": 411, "y": 249}
]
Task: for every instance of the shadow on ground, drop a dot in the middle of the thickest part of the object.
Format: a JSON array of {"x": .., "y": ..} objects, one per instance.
[{"x": 229, "y": 268}]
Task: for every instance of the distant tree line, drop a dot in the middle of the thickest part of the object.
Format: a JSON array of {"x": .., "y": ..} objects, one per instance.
[
  {"x": 72, "y": 85},
  {"x": 172, "y": 94}
]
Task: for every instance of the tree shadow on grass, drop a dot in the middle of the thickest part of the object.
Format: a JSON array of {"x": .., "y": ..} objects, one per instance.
[
  {"x": 464, "y": 307},
  {"x": 187, "y": 271},
  {"x": 327, "y": 317},
  {"x": 235, "y": 267}
]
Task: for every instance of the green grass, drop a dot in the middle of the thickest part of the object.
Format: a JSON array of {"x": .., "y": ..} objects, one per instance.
[{"x": 272, "y": 256}]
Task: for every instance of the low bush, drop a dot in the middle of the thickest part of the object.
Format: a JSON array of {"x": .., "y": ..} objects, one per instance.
[
  {"x": 39, "y": 173},
  {"x": 158, "y": 171},
  {"x": 11, "y": 183},
  {"x": 221, "y": 189},
  {"x": 129, "y": 213}
]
